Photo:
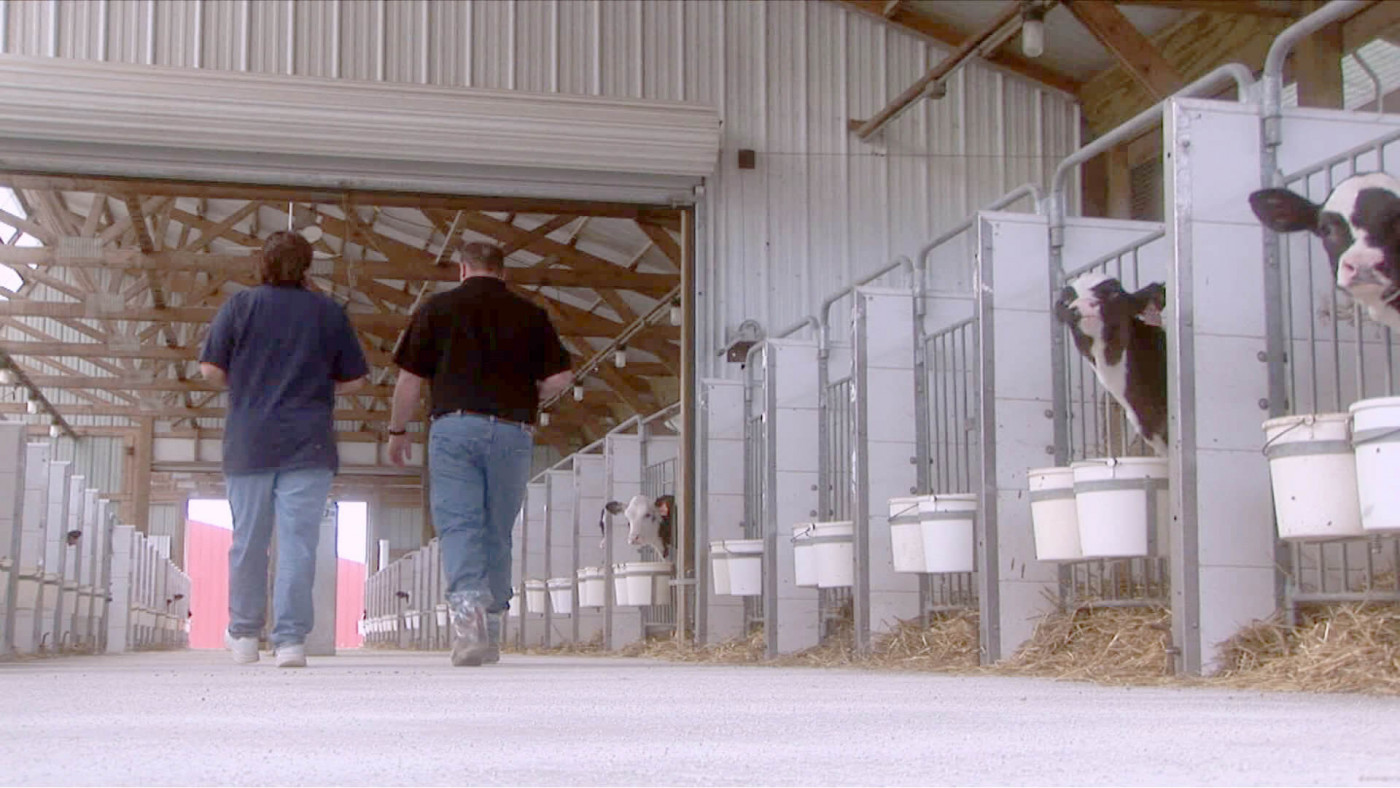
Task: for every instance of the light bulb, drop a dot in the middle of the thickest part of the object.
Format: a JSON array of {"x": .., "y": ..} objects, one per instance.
[
  {"x": 33, "y": 407},
  {"x": 620, "y": 357},
  {"x": 1033, "y": 37},
  {"x": 578, "y": 393},
  {"x": 8, "y": 377},
  {"x": 675, "y": 314},
  {"x": 55, "y": 431},
  {"x": 312, "y": 233},
  {"x": 544, "y": 419}
]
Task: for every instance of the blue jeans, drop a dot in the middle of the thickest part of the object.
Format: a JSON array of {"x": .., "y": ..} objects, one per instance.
[
  {"x": 478, "y": 469},
  {"x": 294, "y": 501}
]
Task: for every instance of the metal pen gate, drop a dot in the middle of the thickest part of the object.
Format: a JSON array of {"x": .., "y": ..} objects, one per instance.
[
  {"x": 755, "y": 468},
  {"x": 834, "y": 604},
  {"x": 1333, "y": 355},
  {"x": 953, "y": 399},
  {"x": 1098, "y": 427},
  {"x": 659, "y": 479}
]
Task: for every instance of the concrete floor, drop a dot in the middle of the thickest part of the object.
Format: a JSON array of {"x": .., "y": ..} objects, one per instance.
[{"x": 384, "y": 718}]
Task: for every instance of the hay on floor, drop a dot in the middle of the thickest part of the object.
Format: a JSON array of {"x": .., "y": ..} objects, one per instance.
[
  {"x": 948, "y": 643},
  {"x": 1110, "y": 645},
  {"x": 1351, "y": 647}
]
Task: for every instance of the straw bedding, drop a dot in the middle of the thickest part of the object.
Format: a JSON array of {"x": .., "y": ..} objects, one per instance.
[
  {"x": 1109, "y": 645},
  {"x": 1340, "y": 648}
]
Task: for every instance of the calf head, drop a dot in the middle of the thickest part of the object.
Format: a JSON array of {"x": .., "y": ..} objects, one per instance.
[
  {"x": 644, "y": 520},
  {"x": 1359, "y": 225},
  {"x": 1097, "y": 309},
  {"x": 1121, "y": 334}
]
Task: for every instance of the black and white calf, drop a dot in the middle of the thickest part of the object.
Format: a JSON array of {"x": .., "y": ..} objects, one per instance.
[
  {"x": 1359, "y": 224},
  {"x": 1121, "y": 334},
  {"x": 648, "y": 522}
]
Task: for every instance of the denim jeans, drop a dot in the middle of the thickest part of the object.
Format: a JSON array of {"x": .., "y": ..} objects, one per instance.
[
  {"x": 295, "y": 502},
  {"x": 478, "y": 469}
]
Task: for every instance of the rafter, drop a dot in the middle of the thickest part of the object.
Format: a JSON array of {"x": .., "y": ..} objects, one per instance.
[
  {"x": 910, "y": 17},
  {"x": 1133, "y": 50}
]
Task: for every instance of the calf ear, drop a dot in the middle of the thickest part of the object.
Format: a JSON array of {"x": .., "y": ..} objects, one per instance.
[
  {"x": 1283, "y": 211},
  {"x": 1151, "y": 300},
  {"x": 614, "y": 507}
]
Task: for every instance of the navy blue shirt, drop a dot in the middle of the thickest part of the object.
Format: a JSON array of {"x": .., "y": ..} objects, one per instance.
[{"x": 284, "y": 349}]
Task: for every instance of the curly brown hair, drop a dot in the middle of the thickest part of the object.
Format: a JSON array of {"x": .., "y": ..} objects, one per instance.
[{"x": 286, "y": 257}]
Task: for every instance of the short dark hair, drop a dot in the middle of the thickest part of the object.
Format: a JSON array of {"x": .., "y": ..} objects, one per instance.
[
  {"x": 484, "y": 257},
  {"x": 286, "y": 257}
]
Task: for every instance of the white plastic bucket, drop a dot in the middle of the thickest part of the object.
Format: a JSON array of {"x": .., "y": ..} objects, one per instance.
[
  {"x": 514, "y": 611},
  {"x": 804, "y": 555},
  {"x": 534, "y": 595},
  {"x": 649, "y": 582},
  {"x": 1314, "y": 475},
  {"x": 906, "y": 535},
  {"x": 835, "y": 550},
  {"x": 719, "y": 568},
  {"x": 561, "y": 595},
  {"x": 620, "y": 585},
  {"x": 441, "y": 612},
  {"x": 1376, "y": 436},
  {"x": 1111, "y": 502},
  {"x": 948, "y": 523},
  {"x": 1054, "y": 514},
  {"x": 587, "y": 579},
  {"x": 745, "y": 566}
]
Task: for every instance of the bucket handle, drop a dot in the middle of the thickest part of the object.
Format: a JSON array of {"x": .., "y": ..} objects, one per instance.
[
  {"x": 1309, "y": 420},
  {"x": 913, "y": 507},
  {"x": 794, "y": 538},
  {"x": 1379, "y": 437}
]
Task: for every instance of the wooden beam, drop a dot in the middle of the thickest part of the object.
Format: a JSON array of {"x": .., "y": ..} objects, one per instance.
[
  {"x": 1134, "y": 51},
  {"x": 159, "y": 384},
  {"x": 1317, "y": 65},
  {"x": 906, "y": 16},
  {"x": 1244, "y": 7},
  {"x": 141, "y": 475},
  {"x": 1194, "y": 47},
  {"x": 865, "y": 128},
  {"x": 97, "y": 350},
  {"x": 665, "y": 242},
  {"x": 116, "y": 186},
  {"x": 176, "y": 412}
]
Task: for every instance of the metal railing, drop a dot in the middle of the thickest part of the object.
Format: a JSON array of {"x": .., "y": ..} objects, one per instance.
[
  {"x": 953, "y": 405},
  {"x": 1098, "y": 427},
  {"x": 1333, "y": 355}
]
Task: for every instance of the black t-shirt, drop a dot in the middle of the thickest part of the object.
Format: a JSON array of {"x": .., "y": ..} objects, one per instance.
[
  {"x": 284, "y": 349},
  {"x": 484, "y": 349}
]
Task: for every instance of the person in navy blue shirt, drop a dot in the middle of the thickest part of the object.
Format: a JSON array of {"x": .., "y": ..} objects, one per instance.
[{"x": 285, "y": 352}]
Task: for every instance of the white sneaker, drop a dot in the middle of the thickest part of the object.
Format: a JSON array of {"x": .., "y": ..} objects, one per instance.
[
  {"x": 291, "y": 656},
  {"x": 245, "y": 650}
]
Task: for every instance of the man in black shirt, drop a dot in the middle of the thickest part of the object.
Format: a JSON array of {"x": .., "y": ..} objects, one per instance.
[{"x": 491, "y": 356}]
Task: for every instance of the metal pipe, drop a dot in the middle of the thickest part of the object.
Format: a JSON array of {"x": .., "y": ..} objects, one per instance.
[
  {"x": 824, "y": 313},
  {"x": 1132, "y": 128},
  {"x": 621, "y": 339},
  {"x": 967, "y": 49},
  {"x": 1272, "y": 78}
]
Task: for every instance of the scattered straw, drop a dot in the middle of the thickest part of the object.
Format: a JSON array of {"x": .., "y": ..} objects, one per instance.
[
  {"x": 1110, "y": 645},
  {"x": 1343, "y": 648},
  {"x": 948, "y": 643}
]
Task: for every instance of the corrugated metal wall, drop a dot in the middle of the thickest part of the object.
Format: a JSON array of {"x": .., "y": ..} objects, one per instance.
[
  {"x": 167, "y": 520},
  {"x": 100, "y": 460},
  {"x": 786, "y": 76}
]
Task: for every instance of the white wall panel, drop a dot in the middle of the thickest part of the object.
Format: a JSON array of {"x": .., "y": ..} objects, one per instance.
[{"x": 786, "y": 75}]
